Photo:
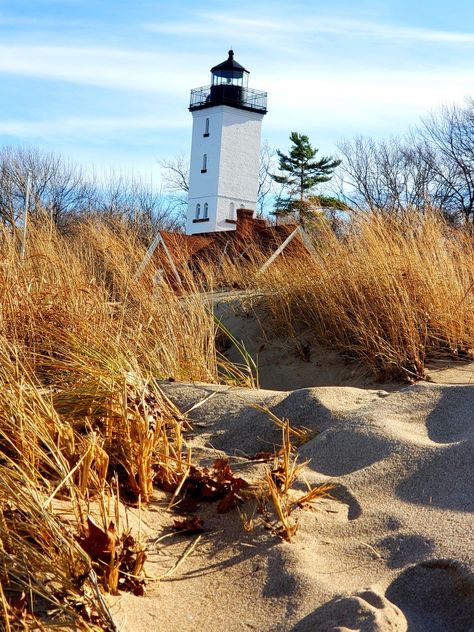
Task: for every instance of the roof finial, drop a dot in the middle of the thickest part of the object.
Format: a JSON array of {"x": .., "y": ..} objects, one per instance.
[{"x": 231, "y": 54}]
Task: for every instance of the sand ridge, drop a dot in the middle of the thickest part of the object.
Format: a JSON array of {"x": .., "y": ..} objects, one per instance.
[{"x": 394, "y": 549}]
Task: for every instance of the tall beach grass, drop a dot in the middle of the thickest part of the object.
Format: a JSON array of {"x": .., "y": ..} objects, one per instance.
[
  {"x": 392, "y": 293},
  {"x": 84, "y": 344}
]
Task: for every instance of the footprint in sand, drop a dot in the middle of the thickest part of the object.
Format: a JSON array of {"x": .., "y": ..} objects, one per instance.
[
  {"x": 435, "y": 596},
  {"x": 368, "y": 611},
  {"x": 442, "y": 478},
  {"x": 337, "y": 452}
]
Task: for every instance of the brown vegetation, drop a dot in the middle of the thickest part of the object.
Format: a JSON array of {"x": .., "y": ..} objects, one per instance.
[
  {"x": 82, "y": 417},
  {"x": 84, "y": 422},
  {"x": 392, "y": 293}
]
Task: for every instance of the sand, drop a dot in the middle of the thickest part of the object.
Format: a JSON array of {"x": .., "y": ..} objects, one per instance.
[{"x": 392, "y": 550}]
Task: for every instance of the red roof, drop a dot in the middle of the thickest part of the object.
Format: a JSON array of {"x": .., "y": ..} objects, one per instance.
[{"x": 250, "y": 234}]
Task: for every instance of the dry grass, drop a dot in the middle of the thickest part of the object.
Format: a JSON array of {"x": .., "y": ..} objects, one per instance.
[
  {"x": 45, "y": 576},
  {"x": 393, "y": 293},
  {"x": 83, "y": 285},
  {"x": 278, "y": 484},
  {"x": 83, "y": 345},
  {"x": 82, "y": 416}
]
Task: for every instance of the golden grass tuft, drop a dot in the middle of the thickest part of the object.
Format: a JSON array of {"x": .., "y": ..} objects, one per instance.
[
  {"x": 84, "y": 284},
  {"x": 392, "y": 294},
  {"x": 82, "y": 347},
  {"x": 46, "y": 578},
  {"x": 278, "y": 483}
]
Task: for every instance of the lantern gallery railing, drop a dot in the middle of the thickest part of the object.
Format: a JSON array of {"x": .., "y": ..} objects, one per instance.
[{"x": 236, "y": 96}]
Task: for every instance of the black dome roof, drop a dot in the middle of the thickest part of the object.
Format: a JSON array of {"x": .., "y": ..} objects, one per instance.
[{"x": 229, "y": 64}]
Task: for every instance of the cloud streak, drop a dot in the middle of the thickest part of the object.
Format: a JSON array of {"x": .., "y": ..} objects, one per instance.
[
  {"x": 131, "y": 70},
  {"x": 309, "y": 24},
  {"x": 129, "y": 81},
  {"x": 77, "y": 127}
]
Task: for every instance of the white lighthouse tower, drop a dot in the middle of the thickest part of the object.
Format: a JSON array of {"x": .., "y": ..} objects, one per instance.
[{"x": 225, "y": 151}]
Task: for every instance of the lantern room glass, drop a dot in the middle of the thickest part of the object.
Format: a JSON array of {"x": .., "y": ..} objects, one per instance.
[{"x": 230, "y": 78}]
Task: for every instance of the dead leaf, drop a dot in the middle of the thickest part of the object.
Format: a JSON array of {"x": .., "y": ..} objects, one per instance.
[
  {"x": 189, "y": 526},
  {"x": 99, "y": 544}
]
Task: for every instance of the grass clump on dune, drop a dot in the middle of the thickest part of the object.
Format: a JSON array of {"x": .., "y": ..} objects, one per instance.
[
  {"x": 392, "y": 293},
  {"x": 82, "y": 417},
  {"x": 84, "y": 284}
]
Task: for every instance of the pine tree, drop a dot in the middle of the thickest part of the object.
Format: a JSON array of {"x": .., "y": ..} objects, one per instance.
[{"x": 303, "y": 172}]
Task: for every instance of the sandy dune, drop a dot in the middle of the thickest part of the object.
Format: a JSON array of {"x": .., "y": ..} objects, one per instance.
[
  {"x": 394, "y": 549},
  {"x": 293, "y": 360}
]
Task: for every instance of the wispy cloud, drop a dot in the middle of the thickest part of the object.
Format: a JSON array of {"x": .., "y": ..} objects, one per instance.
[
  {"x": 367, "y": 100},
  {"x": 42, "y": 23},
  {"x": 106, "y": 80},
  {"x": 77, "y": 127},
  {"x": 394, "y": 33},
  {"x": 306, "y": 24},
  {"x": 106, "y": 67}
]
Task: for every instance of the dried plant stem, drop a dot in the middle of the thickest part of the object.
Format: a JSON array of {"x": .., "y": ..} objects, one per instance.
[{"x": 187, "y": 552}]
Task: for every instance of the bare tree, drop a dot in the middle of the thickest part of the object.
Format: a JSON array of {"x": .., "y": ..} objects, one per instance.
[
  {"x": 451, "y": 135},
  {"x": 60, "y": 192},
  {"x": 176, "y": 174},
  {"x": 58, "y": 187},
  {"x": 433, "y": 166},
  {"x": 266, "y": 184},
  {"x": 138, "y": 202}
]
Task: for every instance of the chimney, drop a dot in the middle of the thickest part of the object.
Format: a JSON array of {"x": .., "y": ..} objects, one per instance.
[
  {"x": 244, "y": 214},
  {"x": 245, "y": 221}
]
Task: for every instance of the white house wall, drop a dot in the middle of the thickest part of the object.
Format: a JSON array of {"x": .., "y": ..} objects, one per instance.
[{"x": 233, "y": 156}]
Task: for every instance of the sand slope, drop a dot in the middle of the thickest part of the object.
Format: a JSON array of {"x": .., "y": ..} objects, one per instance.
[{"x": 395, "y": 551}]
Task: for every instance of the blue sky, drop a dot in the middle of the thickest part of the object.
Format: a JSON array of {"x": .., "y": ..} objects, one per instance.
[{"x": 107, "y": 83}]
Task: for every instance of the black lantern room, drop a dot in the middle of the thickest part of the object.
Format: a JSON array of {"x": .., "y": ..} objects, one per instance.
[
  {"x": 228, "y": 79},
  {"x": 229, "y": 86},
  {"x": 229, "y": 73}
]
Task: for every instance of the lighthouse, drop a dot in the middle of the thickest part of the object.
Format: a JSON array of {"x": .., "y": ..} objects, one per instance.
[{"x": 225, "y": 150}]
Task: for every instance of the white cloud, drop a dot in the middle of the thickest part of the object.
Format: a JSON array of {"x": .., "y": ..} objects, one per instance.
[
  {"x": 365, "y": 98},
  {"x": 332, "y": 76},
  {"x": 229, "y": 26},
  {"x": 346, "y": 100},
  {"x": 78, "y": 127},
  {"x": 104, "y": 67}
]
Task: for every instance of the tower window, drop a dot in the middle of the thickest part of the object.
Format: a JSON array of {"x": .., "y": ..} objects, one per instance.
[
  {"x": 206, "y": 210},
  {"x": 206, "y": 128},
  {"x": 198, "y": 211},
  {"x": 204, "y": 163}
]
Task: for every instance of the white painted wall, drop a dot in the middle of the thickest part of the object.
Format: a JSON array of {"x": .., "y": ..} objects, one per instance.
[{"x": 233, "y": 156}]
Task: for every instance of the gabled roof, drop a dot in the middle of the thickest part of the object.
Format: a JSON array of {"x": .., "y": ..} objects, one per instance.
[
  {"x": 183, "y": 247},
  {"x": 194, "y": 251}
]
